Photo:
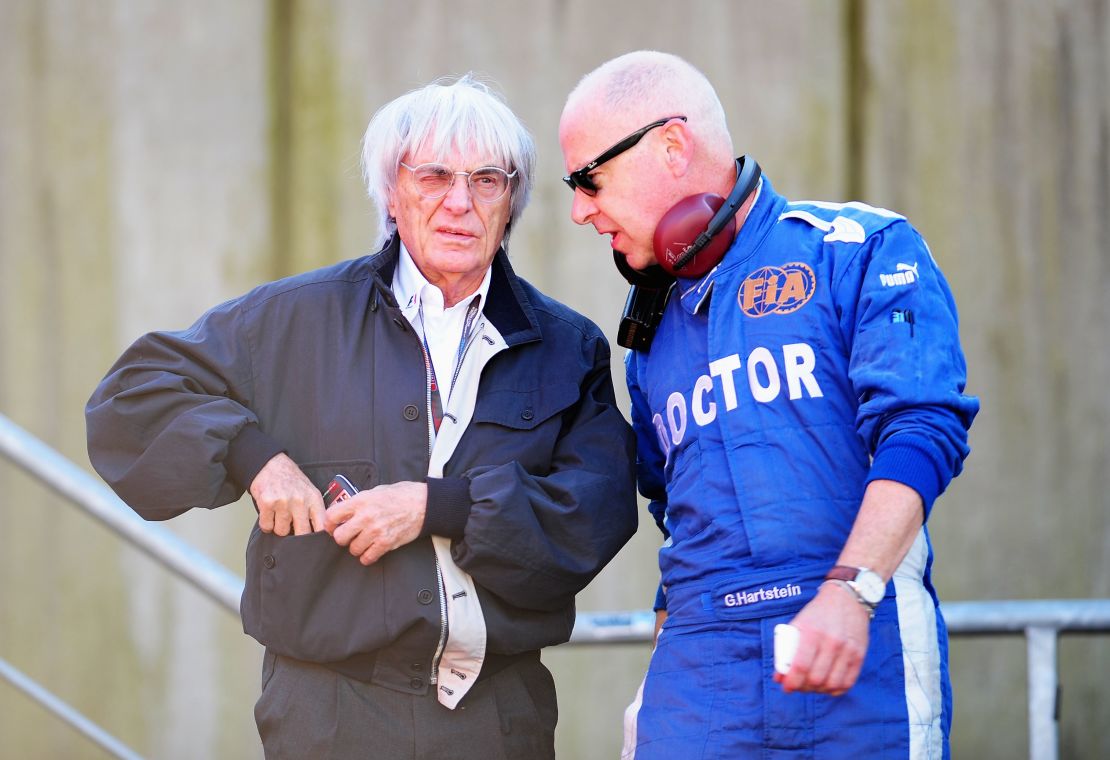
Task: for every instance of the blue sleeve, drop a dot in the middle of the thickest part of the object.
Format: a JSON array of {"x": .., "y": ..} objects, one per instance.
[
  {"x": 650, "y": 461},
  {"x": 906, "y": 365}
]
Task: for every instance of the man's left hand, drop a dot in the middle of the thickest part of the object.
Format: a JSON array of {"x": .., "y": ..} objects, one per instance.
[
  {"x": 378, "y": 520},
  {"x": 834, "y": 630}
]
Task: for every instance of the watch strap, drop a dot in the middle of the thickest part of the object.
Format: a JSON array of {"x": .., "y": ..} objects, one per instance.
[
  {"x": 842, "y": 573},
  {"x": 852, "y": 590}
]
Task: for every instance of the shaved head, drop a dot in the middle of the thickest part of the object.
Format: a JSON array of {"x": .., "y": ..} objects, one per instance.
[
  {"x": 636, "y": 88},
  {"x": 668, "y": 128}
]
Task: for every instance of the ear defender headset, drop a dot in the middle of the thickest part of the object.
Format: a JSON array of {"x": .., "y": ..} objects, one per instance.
[{"x": 690, "y": 239}]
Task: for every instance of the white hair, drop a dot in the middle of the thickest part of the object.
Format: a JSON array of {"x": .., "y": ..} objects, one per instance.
[{"x": 465, "y": 115}]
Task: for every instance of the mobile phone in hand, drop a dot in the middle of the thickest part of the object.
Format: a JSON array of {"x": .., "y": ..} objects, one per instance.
[
  {"x": 786, "y": 644},
  {"x": 339, "y": 489}
]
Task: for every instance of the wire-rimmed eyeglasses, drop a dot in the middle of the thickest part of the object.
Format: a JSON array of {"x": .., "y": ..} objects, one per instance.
[
  {"x": 488, "y": 184},
  {"x": 580, "y": 179}
]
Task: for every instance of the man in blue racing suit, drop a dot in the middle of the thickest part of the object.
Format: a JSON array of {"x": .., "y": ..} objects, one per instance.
[{"x": 798, "y": 411}]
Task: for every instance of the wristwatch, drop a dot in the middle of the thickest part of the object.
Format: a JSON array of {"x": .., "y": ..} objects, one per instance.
[{"x": 868, "y": 586}]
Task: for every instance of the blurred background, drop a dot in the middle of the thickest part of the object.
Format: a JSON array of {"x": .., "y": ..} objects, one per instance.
[{"x": 157, "y": 158}]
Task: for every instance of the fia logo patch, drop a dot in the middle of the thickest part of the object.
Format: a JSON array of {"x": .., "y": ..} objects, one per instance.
[{"x": 776, "y": 290}]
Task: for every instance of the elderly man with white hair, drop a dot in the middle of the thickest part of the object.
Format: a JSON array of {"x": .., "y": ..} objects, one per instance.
[
  {"x": 797, "y": 393},
  {"x": 432, "y": 446}
]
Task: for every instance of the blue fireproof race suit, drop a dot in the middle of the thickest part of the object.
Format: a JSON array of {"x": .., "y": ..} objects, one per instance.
[{"x": 820, "y": 354}]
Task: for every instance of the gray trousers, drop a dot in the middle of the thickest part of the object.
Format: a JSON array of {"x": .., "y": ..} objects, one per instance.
[{"x": 309, "y": 712}]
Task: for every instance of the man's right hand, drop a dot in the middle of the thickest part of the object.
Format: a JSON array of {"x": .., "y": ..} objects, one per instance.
[{"x": 287, "y": 501}]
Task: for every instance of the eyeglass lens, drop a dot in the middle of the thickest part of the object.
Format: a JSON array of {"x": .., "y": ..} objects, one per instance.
[
  {"x": 487, "y": 184},
  {"x": 581, "y": 179}
]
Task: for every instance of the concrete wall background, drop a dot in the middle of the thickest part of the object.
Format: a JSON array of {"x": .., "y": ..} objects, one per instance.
[{"x": 157, "y": 158}]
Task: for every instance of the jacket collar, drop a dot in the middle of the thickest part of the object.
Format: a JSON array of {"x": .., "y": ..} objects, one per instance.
[{"x": 508, "y": 307}]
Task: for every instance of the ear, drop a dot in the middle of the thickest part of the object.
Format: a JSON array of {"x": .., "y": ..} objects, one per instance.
[
  {"x": 391, "y": 203},
  {"x": 678, "y": 145}
]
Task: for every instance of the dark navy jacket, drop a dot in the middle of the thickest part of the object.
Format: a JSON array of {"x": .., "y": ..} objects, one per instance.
[{"x": 537, "y": 497}]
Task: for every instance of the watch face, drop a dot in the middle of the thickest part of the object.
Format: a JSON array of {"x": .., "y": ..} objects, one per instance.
[{"x": 870, "y": 586}]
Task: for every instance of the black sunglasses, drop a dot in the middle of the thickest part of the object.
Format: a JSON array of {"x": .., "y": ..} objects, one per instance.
[{"x": 580, "y": 179}]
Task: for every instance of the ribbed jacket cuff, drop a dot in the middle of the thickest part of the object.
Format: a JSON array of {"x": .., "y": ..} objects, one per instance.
[
  {"x": 247, "y": 453},
  {"x": 660, "y": 599},
  {"x": 448, "y": 507},
  {"x": 909, "y": 462}
]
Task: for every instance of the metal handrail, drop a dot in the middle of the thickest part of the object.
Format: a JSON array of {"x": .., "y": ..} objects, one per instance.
[
  {"x": 1041, "y": 621},
  {"x": 68, "y": 714},
  {"x": 90, "y": 493}
]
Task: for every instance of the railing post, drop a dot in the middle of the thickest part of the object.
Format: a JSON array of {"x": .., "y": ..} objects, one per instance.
[{"x": 1043, "y": 692}]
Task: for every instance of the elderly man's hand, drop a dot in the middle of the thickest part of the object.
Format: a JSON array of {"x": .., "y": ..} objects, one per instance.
[
  {"x": 834, "y": 629},
  {"x": 286, "y": 499},
  {"x": 378, "y": 520}
]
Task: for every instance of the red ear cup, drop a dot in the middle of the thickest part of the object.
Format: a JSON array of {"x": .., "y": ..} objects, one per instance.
[{"x": 681, "y": 226}]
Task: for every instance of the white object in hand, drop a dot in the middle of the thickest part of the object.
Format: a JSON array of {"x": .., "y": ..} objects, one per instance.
[{"x": 786, "y": 644}]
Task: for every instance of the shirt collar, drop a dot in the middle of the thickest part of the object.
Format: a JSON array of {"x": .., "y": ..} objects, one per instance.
[{"x": 410, "y": 286}]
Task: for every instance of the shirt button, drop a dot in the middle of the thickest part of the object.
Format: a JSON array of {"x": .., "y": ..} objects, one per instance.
[
  {"x": 416, "y": 667},
  {"x": 527, "y": 414},
  {"x": 424, "y": 597},
  {"x": 269, "y": 561},
  {"x": 411, "y": 412},
  {"x": 416, "y": 683}
]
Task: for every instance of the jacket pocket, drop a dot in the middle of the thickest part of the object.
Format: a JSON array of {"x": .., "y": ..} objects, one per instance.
[
  {"x": 308, "y": 598},
  {"x": 521, "y": 425},
  {"x": 362, "y": 473},
  {"x": 524, "y": 409}
]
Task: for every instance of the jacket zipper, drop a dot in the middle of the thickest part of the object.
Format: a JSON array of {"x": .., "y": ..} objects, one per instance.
[
  {"x": 433, "y": 676},
  {"x": 471, "y": 338}
]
